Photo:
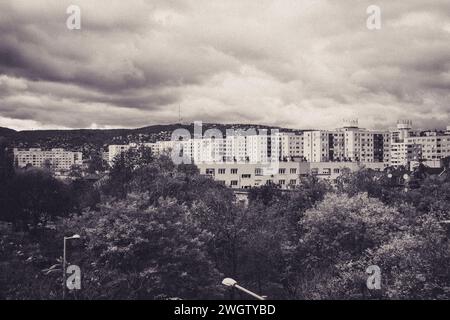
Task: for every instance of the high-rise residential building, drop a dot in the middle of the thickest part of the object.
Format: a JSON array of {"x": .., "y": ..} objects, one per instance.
[
  {"x": 208, "y": 150},
  {"x": 57, "y": 159},
  {"x": 395, "y": 147},
  {"x": 366, "y": 145},
  {"x": 402, "y": 153},
  {"x": 316, "y": 146},
  {"x": 349, "y": 143},
  {"x": 115, "y": 149},
  {"x": 259, "y": 148},
  {"x": 402, "y": 131},
  {"x": 433, "y": 145},
  {"x": 255, "y": 148},
  {"x": 162, "y": 147},
  {"x": 236, "y": 148},
  {"x": 410, "y": 144},
  {"x": 290, "y": 145}
]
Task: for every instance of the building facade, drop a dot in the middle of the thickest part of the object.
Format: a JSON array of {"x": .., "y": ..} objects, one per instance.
[
  {"x": 411, "y": 145},
  {"x": 290, "y": 145},
  {"x": 349, "y": 143},
  {"x": 289, "y": 174},
  {"x": 249, "y": 175},
  {"x": 55, "y": 159}
]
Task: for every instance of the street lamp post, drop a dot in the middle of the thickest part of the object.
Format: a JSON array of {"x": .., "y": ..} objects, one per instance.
[
  {"x": 232, "y": 283},
  {"x": 75, "y": 236}
]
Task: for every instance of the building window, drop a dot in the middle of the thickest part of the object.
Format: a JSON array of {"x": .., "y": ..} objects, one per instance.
[
  {"x": 210, "y": 171},
  {"x": 234, "y": 183},
  {"x": 282, "y": 182},
  {"x": 246, "y": 176},
  {"x": 234, "y": 171},
  {"x": 293, "y": 170},
  {"x": 258, "y": 172},
  {"x": 281, "y": 171},
  {"x": 221, "y": 171},
  {"x": 336, "y": 170},
  {"x": 293, "y": 182}
]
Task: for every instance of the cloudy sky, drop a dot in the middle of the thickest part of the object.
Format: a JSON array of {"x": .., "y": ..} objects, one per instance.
[{"x": 292, "y": 63}]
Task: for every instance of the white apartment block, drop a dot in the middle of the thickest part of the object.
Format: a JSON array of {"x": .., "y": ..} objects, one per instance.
[
  {"x": 58, "y": 159},
  {"x": 346, "y": 144},
  {"x": 403, "y": 153},
  {"x": 366, "y": 145},
  {"x": 315, "y": 146},
  {"x": 432, "y": 145},
  {"x": 255, "y": 148},
  {"x": 411, "y": 145},
  {"x": 395, "y": 147},
  {"x": 236, "y": 148},
  {"x": 115, "y": 149},
  {"x": 402, "y": 131},
  {"x": 193, "y": 150},
  {"x": 161, "y": 147},
  {"x": 241, "y": 147},
  {"x": 290, "y": 145},
  {"x": 208, "y": 150},
  {"x": 260, "y": 148}
]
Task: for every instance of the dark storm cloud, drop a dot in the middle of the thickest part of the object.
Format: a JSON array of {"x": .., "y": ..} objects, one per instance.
[{"x": 289, "y": 63}]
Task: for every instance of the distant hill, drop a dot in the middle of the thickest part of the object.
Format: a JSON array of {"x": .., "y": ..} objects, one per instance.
[
  {"x": 6, "y": 132},
  {"x": 87, "y": 140}
]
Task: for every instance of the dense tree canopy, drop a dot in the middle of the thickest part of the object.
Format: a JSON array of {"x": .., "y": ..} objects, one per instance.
[
  {"x": 33, "y": 196},
  {"x": 137, "y": 251}
]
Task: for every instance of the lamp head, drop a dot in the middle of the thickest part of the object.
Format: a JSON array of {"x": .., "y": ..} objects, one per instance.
[
  {"x": 75, "y": 236},
  {"x": 229, "y": 282}
]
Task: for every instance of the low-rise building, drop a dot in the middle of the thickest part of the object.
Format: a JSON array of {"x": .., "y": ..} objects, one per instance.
[
  {"x": 288, "y": 175},
  {"x": 248, "y": 175},
  {"x": 332, "y": 170}
]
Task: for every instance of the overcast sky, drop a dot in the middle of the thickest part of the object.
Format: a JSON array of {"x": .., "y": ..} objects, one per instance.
[{"x": 292, "y": 63}]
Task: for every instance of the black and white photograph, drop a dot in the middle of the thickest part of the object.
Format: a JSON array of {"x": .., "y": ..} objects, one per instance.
[{"x": 184, "y": 151}]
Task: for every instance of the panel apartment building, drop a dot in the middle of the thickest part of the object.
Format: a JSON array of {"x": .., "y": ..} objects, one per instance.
[
  {"x": 57, "y": 159},
  {"x": 237, "y": 159},
  {"x": 413, "y": 145},
  {"x": 234, "y": 148},
  {"x": 192, "y": 150},
  {"x": 349, "y": 143}
]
